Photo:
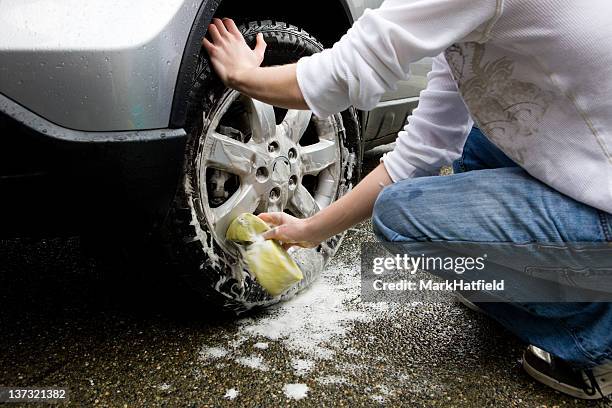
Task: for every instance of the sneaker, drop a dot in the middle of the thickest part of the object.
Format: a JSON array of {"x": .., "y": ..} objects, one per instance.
[
  {"x": 592, "y": 384},
  {"x": 461, "y": 298}
]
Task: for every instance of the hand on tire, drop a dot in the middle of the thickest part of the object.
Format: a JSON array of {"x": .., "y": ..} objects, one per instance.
[
  {"x": 229, "y": 53},
  {"x": 290, "y": 231}
]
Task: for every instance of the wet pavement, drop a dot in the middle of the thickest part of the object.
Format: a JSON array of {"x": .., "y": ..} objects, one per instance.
[{"x": 119, "y": 341}]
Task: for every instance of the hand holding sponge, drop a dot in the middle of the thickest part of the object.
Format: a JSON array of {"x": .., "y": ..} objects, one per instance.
[{"x": 272, "y": 266}]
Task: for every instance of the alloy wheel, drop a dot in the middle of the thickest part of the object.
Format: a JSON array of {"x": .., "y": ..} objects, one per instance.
[{"x": 257, "y": 158}]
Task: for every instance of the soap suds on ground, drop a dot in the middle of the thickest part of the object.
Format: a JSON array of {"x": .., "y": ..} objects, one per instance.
[
  {"x": 164, "y": 387},
  {"x": 310, "y": 328},
  {"x": 254, "y": 362},
  {"x": 301, "y": 366},
  {"x": 295, "y": 391},
  {"x": 382, "y": 392},
  {"x": 210, "y": 353},
  {"x": 322, "y": 313},
  {"x": 332, "y": 379},
  {"x": 231, "y": 394}
]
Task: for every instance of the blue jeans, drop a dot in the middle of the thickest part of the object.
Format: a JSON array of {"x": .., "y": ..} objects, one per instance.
[{"x": 490, "y": 199}]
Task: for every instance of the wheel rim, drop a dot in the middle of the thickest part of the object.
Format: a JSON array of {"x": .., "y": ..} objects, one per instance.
[{"x": 256, "y": 158}]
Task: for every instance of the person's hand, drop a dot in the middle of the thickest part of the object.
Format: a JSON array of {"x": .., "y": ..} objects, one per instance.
[
  {"x": 230, "y": 54},
  {"x": 290, "y": 231}
]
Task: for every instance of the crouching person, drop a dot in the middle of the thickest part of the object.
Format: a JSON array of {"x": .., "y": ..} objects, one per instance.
[{"x": 537, "y": 168}]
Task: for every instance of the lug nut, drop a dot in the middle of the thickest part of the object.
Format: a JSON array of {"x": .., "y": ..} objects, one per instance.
[
  {"x": 273, "y": 147},
  {"x": 275, "y": 194},
  {"x": 293, "y": 182},
  {"x": 262, "y": 174},
  {"x": 292, "y": 154}
]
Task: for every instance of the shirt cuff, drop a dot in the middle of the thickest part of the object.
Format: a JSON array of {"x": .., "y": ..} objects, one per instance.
[
  {"x": 398, "y": 171},
  {"x": 321, "y": 90}
]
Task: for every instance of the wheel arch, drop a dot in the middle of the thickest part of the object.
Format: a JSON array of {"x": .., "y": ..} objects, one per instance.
[{"x": 326, "y": 20}]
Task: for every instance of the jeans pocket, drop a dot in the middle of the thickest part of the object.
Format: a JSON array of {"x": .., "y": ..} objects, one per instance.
[
  {"x": 459, "y": 165},
  {"x": 606, "y": 225}
]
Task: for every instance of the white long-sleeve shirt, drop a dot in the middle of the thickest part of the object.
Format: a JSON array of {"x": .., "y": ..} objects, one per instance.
[{"x": 536, "y": 77}]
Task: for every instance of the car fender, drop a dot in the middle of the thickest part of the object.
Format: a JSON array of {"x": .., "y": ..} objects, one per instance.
[{"x": 99, "y": 65}]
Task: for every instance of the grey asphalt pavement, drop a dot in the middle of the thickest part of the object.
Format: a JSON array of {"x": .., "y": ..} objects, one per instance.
[{"x": 118, "y": 341}]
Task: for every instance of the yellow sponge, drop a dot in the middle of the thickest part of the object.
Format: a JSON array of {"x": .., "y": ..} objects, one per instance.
[
  {"x": 267, "y": 260},
  {"x": 246, "y": 229}
]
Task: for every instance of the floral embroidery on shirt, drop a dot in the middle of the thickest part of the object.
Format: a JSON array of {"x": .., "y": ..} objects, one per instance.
[{"x": 507, "y": 110}]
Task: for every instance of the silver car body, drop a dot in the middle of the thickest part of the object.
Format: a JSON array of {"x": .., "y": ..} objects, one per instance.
[
  {"x": 99, "y": 65},
  {"x": 112, "y": 65}
]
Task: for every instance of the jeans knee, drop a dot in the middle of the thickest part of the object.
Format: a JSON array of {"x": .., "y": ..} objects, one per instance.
[
  {"x": 380, "y": 216},
  {"x": 402, "y": 211}
]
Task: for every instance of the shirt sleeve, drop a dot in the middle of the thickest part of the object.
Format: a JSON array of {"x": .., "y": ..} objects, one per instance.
[
  {"x": 376, "y": 52},
  {"x": 437, "y": 130}
]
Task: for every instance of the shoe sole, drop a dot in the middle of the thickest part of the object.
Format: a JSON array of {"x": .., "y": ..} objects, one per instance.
[
  {"x": 556, "y": 385},
  {"x": 465, "y": 302}
]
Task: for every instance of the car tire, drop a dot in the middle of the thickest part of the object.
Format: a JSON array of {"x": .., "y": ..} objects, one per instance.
[{"x": 227, "y": 171}]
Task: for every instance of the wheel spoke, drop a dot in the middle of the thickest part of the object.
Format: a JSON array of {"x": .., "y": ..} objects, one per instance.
[
  {"x": 326, "y": 189},
  {"x": 295, "y": 124},
  {"x": 245, "y": 200},
  {"x": 231, "y": 155},
  {"x": 303, "y": 203},
  {"x": 319, "y": 156},
  {"x": 263, "y": 120},
  {"x": 326, "y": 128}
]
